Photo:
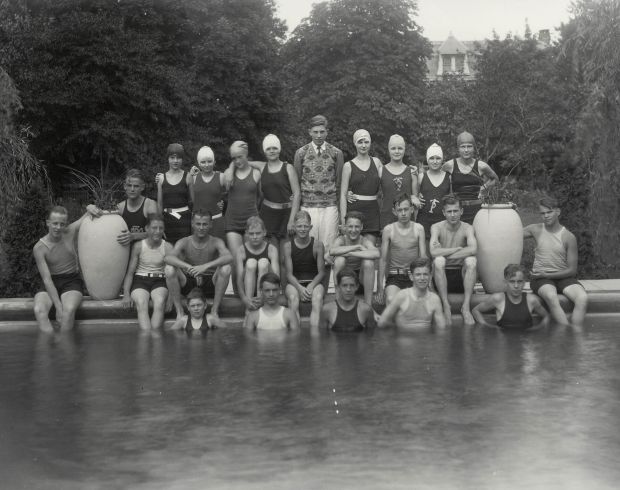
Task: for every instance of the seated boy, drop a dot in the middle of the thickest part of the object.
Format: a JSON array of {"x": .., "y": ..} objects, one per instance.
[
  {"x": 347, "y": 313},
  {"x": 57, "y": 262},
  {"x": 415, "y": 306},
  {"x": 271, "y": 316},
  {"x": 354, "y": 252},
  {"x": 453, "y": 247},
  {"x": 513, "y": 308},
  {"x": 196, "y": 319},
  {"x": 305, "y": 268}
]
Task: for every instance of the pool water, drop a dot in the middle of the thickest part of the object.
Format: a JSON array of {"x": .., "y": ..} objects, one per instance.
[{"x": 110, "y": 407}]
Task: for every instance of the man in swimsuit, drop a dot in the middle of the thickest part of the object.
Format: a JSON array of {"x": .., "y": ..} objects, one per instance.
[
  {"x": 469, "y": 176},
  {"x": 135, "y": 208},
  {"x": 416, "y": 306},
  {"x": 57, "y": 262},
  {"x": 319, "y": 166},
  {"x": 555, "y": 264},
  {"x": 198, "y": 260},
  {"x": 355, "y": 252},
  {"x": 347, "y": 313},
  {"x": 271, "y": 316},
  {"x": 453, "y": 247},
  {"x": 513, "y": 308}
]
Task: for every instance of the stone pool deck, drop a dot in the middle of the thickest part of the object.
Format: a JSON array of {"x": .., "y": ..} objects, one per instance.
[{"x": 603, "y": 295}]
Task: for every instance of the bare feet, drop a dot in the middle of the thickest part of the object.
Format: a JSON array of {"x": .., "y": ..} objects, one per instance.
[{"x": 468, "y": 318}]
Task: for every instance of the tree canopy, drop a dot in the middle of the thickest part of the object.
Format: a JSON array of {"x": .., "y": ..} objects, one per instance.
[{"x": 360, "y": 62}]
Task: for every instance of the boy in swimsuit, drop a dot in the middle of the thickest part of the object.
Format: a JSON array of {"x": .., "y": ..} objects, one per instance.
[
  {"x": 196, "y": 319},
  {"x": 453, "y": 247},
  {"x": 513, "y": 308},
  {"x": 57, "y": 262},
  {"x": 254, "y": 258},
  {"x": 145, "y": 279},
  {"x": 555, "y": 264},
  {"x": 416, "y": 306},
  {"x": 355, "y": 252},
  {"x": 271, "y": 316},
  {"x": 347, "y": 313},
  {"x": 199, "y": 260},
  {"x": 135, "y": 208},
  {"x": 305, "y": 268},
  {"x": 401, "y": 243}
]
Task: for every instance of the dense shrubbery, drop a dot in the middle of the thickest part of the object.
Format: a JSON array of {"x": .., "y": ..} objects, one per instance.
[{"x": 107, "y": 85}]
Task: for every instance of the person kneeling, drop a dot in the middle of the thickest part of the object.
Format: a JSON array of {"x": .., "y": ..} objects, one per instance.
[
  {"x": 305, "y": 268},
  {"x": 453, "y": 247},
  {"x": 415, "y": 306},
  {"x": 353, "y": 251},
  {"x": 346, "y": 313},
  {"x": 513, "y": 308},
  {"x": 197, "y": 320},
  {"x": 271, "y": 316},
  {"x": 254, "y": 259},
  {"x": 145, "y": 278}
]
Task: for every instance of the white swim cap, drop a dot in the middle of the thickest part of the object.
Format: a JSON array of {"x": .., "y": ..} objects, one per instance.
[
  {"x": 434, "y": 151},
  {"x": 271, "y": 141},
  {"x": 205, "y": 152},
  {"x": 359, "y": 134},
  {"x": 396, "y": 138}
]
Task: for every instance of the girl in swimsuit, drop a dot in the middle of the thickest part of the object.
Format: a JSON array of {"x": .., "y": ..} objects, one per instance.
[
  {"x": 207, "y": 190},
  {"x": 254, "y": 258},
  {"x": 173, "y": 195}
]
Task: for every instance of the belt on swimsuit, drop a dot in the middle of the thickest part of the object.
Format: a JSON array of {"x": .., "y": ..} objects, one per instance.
[
  {"x": 361, "y": 197},
  {"x": 473, "y": 202},
  {"x": 159, "y": 275},
  {"x": 277, "y": 205},
  {"x": 398, "y": 272},
  {"x": 216, "y": 216},
  {"x": 175, "y": 211}
]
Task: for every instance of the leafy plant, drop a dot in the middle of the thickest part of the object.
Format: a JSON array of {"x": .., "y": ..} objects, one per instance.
[
  {"x": 104, "y": 197},
  {"x": 501, "y": 193}
]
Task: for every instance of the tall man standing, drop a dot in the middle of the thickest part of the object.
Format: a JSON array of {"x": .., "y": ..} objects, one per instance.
[
  {"x": 319, "y": 166},
  {"x": 555, "y": 264}
]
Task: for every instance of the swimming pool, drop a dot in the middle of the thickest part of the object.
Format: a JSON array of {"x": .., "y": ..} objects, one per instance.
[{"x": 110, "y": 407}]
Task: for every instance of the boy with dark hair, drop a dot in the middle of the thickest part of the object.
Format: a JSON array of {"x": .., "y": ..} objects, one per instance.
[
  {"x": 347, "y": 313},
  {"x": 355, "y": 252},
  {"x": 271, "y": 316},
  {"x": 453, "y": 247},
  {"x": 513, "y": 308},
  {"x": 197, "y": 319},
  {"x": 415, "y": 306},
  {"x": 555, "y": 264}
]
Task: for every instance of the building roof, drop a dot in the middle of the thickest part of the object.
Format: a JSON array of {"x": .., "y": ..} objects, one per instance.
[{"x": 452, "y": 46}]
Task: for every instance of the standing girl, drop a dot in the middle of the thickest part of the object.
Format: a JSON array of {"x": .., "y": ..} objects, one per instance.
[
  {"x": 173, "y": 195},
  {"x": 433, "y": 185},
  {"x": 145, "y": 278},
  {"x": 207, "y": 190},
  {"x": 362, "y": 178},
  {"x": 397, "y": 178}
]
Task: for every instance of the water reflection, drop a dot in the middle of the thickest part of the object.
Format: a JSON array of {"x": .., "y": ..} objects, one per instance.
[{"x": 460, "y": 407}]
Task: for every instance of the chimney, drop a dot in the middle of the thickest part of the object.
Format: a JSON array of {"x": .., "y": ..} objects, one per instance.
[{"x": 544, "y": 36}]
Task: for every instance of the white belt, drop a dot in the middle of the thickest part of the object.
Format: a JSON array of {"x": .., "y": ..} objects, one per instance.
[
  {"x": 151, "y": 274},
  {"x": 277, "y": 205},
  {"x": 359, "y": 197},
  {"x": 216, "y": 216},
  {"x": 176, "y": 211}
]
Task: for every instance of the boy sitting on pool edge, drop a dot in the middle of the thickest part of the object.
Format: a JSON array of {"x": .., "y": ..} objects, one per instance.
[{"x": 513, "y": 307}]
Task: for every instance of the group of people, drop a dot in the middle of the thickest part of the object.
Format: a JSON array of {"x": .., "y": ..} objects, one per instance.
[{"x": 279, "y": 228}]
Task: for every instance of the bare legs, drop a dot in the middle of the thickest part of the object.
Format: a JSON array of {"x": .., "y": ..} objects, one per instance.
[
  {"x": 141, "y": 298},
  {"x": 468, "y": 272},
  {"x": 575, "y": 293},
  {"x": 441, "y": 283},
  {"x": 70, "y": 300},
  {"x": 318, "y": 294}
]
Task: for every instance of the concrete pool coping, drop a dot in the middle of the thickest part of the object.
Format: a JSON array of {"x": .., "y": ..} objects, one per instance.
[{"x": 603, "y": 297}]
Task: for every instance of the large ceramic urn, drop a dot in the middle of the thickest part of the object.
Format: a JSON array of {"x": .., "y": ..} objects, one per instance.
[
  {"x": 102, "y": 259},
  {"x": 499, "y": 233}
]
